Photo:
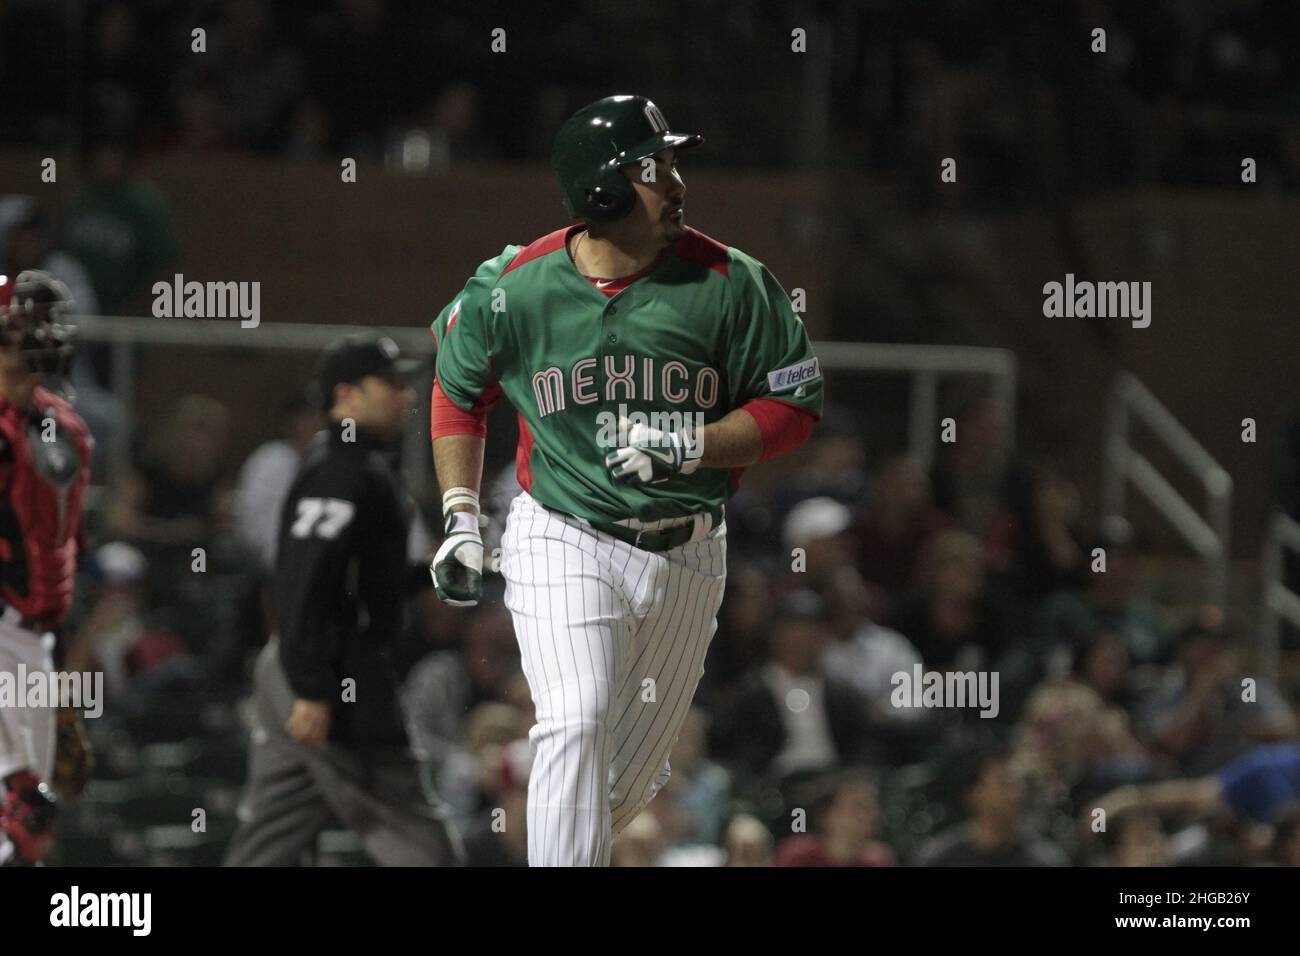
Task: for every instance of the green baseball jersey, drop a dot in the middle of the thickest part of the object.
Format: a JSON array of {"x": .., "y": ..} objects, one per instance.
[{"x": 705, "y": 331}]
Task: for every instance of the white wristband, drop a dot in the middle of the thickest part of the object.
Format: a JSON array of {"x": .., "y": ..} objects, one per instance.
[{"x": 460, "y": 496}]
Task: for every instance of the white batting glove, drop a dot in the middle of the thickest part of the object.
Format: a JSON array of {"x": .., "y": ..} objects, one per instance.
[
  {"x": 651, "y": 456},
  {"x": 458, "y": 566}
]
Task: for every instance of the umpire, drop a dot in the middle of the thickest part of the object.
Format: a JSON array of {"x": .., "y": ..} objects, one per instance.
[{"x": 329, "y": 739}]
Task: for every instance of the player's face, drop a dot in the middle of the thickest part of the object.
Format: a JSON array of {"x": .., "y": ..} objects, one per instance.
[{"x": 661, "y": 195}]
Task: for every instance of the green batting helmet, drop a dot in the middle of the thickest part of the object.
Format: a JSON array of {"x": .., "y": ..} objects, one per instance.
[{"x": 595, "y": 141}]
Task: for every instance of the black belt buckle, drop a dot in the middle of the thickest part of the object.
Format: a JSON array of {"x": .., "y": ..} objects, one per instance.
[{"x": 664, "y": 540}]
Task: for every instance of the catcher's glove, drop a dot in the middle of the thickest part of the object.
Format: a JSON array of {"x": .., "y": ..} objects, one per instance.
[
  {"x": 74, "y": 759},
  {"x": 651, "y": 456},
  {"x": 458, "y": 566}
]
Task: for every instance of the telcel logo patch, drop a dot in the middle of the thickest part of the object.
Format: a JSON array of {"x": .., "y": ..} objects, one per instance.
[{"x": 792, "y": 376}]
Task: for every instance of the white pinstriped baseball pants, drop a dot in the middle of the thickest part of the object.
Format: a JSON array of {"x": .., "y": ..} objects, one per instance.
[{"x": 612, "y": 640}]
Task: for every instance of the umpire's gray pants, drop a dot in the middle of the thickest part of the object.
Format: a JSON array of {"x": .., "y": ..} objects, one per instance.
[{"x": 293, "y": 790}]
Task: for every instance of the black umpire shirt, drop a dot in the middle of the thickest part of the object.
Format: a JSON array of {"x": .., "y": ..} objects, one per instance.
[{"x": 342, "y": 580}]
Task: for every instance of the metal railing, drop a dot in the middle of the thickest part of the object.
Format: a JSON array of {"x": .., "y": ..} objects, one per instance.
[
  {"x": 123, "y": 333},
  {"x": 1278, "y": 600},
  {"x": 1207, "y": 536},
  {"x": 924, "y": 363}
]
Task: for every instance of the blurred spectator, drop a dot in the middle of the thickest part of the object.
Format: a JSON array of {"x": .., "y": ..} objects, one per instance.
[
  {"x": 119, "y": 225},
  {"x": 640, "y": 844},
  {"x": 1103, "y": 664},
  {"x": 116, "y": 635},
  {"x": 1259, "y": 786},
  {"x": 446, "y": 132},
  {"x": 1070, "y": 738},
  {"x": 1286, "y": 838},
  {"x": 994, "y": 834},
  {"x": 26, "y": 245},
  {"x": 501, "y": 837},
  {"x": 833, "y": 464},
  {"x": 1135, "y": 838},
  {"x": 267, "y": 473},
  {"x": 1113, "y": 600},
  {"x": 202, "y": 125},
  {"x": 462, "y": 767},
  {"x": 968, "y": 473},
  {"x": 861, "y": 651},
  {"x": 360, "y": 68},
  {"x": 1202, "y": 715},
  {"x": 790, "y": 716},
  {"x": 846, "y": 815},
  {"x": 744, "y": 621},
  {"x": 819, "y": 527},
  {"x": 1046, "y": 540},
  {"x": 895, "y": 528},
  {"x": 175, "y": 497},
  {"x": 310, "y": 130},
  {"x": 702, "y": 788},
  {"x": 256, "y": 74},
  {"x": 121, "y": 71},
  {"x": 446, "y": 685},
  {"x": 747, "y": 842},
  {"x": 954, "y": 619}
]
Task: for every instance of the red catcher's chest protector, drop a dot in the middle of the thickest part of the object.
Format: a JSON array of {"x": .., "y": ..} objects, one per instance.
[{"x": 43, "y": 476}]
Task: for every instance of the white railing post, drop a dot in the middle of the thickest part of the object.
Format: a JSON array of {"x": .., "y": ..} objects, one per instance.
[
  {"x": 1209, "y": 536},
  {"x": 922, "y": 416}
]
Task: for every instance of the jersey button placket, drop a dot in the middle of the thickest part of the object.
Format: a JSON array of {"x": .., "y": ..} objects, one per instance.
[{"x": 610, "y": 312}]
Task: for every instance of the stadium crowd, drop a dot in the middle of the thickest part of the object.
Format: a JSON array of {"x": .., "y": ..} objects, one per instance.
[
  {"x": 404, "y": 82},
  {"x": 800, "y": 750},
  {"x": 844, "y": 573}
]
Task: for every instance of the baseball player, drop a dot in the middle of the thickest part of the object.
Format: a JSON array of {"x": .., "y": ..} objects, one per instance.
[
  {"x": 45, "y": 451},
  {"x": 649, "y": 366}
]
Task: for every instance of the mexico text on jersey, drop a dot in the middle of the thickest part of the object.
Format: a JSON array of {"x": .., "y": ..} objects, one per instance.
[{"x": 705, "y": 331}]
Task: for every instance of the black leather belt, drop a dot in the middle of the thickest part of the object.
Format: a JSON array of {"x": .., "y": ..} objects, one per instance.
[{"x": 661, "y": 540}]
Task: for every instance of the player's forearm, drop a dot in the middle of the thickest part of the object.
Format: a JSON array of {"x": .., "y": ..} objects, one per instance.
[
  {"x": 734, "y": 441},
  {"x": 458, "y": 460}
]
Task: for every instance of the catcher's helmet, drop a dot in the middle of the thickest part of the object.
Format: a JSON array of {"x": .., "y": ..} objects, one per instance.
[
  {"x": 595, "y": 141},
  {"x": 34, "y": 307}
]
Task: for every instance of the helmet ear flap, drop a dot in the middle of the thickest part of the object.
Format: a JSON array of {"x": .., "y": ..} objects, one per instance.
[{"x": 612, "y": 197}]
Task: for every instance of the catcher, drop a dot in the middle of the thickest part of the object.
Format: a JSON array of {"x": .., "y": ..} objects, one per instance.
[{"x": 45, "y": 452}]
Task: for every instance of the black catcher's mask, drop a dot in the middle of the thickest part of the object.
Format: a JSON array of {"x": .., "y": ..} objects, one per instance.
[{"x": 35, "y": 319}]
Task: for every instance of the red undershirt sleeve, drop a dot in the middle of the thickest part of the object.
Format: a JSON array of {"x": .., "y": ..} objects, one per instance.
[
  {"x": 784, "y": 427},
  {"x": 447, "y": 418}
]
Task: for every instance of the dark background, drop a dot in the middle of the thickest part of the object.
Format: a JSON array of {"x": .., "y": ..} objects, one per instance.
[{"x": 1116, "y": 166}]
